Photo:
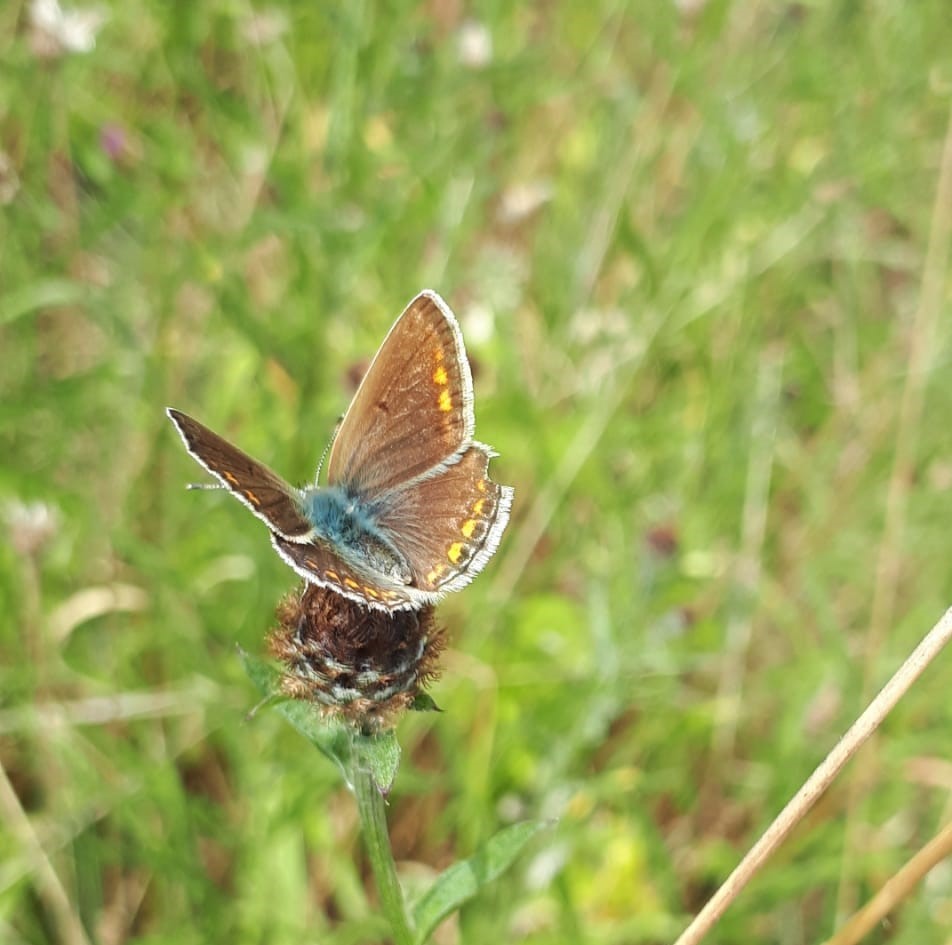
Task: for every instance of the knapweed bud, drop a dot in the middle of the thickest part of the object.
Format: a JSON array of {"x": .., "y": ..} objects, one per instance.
[{"x": 365, "y": 664}]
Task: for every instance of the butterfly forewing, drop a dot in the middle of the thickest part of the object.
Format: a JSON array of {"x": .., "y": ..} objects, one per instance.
[
  {"x": 414, "y": 408},
  {"x": 264, "y": 492}
]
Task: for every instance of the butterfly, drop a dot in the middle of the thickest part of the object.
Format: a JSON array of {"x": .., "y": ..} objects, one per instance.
[{"x": 409, "y": 512}]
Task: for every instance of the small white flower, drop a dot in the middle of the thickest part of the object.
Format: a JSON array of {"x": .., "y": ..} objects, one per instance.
[
  {"x": 30, "y": 525},
  {"x": 59, "y": 31},
  {"x": 520, "y": 201},
  {"x": 474, "y": 45}
]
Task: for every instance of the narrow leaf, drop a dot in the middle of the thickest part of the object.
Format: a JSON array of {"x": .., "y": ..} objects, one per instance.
[
  {"x": 463, "y": 880},
  {"x": 330, "y": 738},
  {"x": 45, "y": 293}
]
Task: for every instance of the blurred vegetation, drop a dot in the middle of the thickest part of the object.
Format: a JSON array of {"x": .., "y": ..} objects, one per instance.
[{"x": 687, "y": 244}]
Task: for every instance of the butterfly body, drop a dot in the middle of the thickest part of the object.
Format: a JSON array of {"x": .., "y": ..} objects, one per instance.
[
  {"x": 409, "y": 511},
  {"x": 348, "y": 523}
]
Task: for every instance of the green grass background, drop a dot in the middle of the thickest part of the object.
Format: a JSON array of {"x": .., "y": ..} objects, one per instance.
[{"x": 687, "y": 244}]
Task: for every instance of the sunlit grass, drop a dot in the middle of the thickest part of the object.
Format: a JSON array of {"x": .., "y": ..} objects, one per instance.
[{"x": 687, "y": 250}]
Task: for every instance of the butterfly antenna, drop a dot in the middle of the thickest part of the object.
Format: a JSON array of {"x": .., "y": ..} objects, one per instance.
[
  {"x": 204, "y": 485},
  {"x": 330, "y": 443}
]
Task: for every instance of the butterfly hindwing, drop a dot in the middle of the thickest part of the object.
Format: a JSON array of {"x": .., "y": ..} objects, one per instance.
[
  {"x": 321, "y": 563},
  {"x": 448, "y": 523}
]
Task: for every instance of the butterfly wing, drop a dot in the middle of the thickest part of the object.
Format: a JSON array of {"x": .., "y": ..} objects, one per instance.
[
  {"x": 320, "y": 562},
  {"x": 413, "y": 409},
  {"x": 267, "y": 495},
  {"x": 449, "y": 522}
]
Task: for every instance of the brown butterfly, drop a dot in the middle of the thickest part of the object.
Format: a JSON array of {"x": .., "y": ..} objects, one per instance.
[{"x": 409, "y": 512}]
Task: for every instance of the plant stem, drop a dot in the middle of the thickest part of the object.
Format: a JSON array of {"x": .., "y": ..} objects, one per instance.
[
  {"x": 373, "y": 822},
  {"x": 814, "y": 787}
]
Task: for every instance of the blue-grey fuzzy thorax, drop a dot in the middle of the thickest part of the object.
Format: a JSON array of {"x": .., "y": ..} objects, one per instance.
[{"x": 350, "y": 526}]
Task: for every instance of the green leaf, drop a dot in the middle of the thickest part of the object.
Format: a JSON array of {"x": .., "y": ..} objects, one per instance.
[
  {"x": 332, "y": 739},
  {"x": 461, "y": 881},
  {"x": 380, "y": 754},
  {"x": 44, "y": 293},
  {"x": 423, "y": 702}
]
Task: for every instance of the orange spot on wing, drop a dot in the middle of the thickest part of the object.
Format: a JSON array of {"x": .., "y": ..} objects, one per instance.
[
  {"x": 332, "y": 576},
  {"x": 231, "y": 478},
  {"x": 478, "y": 506},
  {"x": 440, "y": 376},
  {"x": 252, "y": 498},
  {"x": 351, "y": 583},
  {"x": 469, "y": 526},
  {"x": 434, "y": 575},
  {"x": 455, "y": 552},
  {"x": 370, "y": 592},
  {"x": 445, "y": 402}
]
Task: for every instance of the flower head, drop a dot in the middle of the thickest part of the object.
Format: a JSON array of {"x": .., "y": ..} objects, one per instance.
[{"x": 364, "y": 664}]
